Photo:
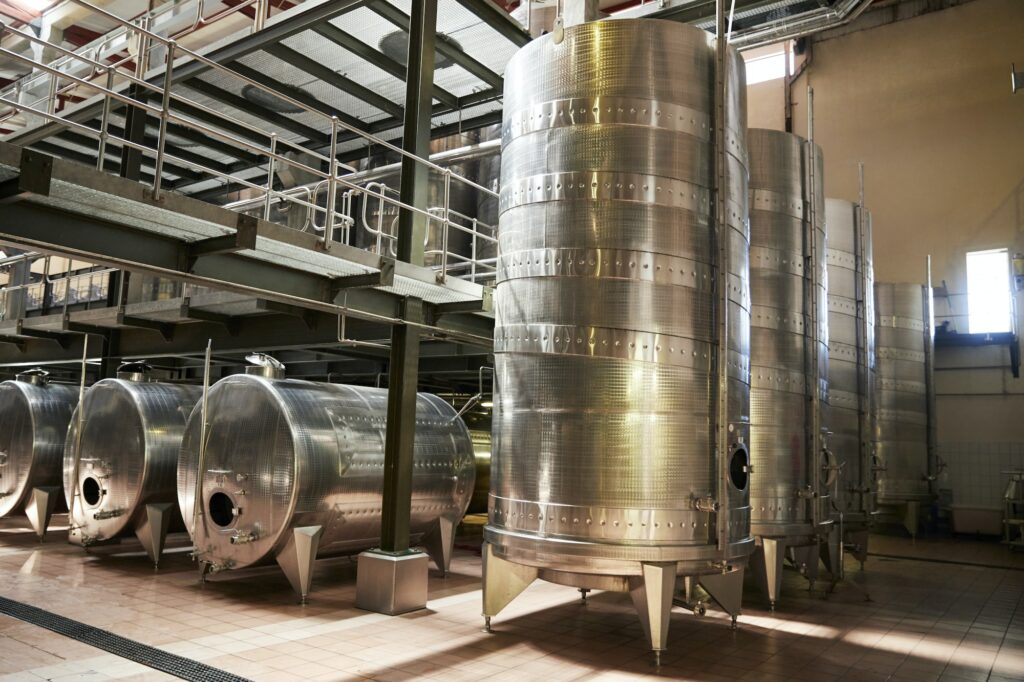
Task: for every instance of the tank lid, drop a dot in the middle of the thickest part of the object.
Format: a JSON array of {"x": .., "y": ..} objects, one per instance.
[
  {"x": 135, "y": 371},
  {"x": 37, "y": 376},
  {"x": 264, "y": 365}
]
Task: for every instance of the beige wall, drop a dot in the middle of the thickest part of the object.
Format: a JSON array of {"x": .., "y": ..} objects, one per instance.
[{"x": 926, "y": 104}]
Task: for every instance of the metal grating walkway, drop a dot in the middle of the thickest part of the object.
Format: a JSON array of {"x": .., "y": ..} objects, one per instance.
[{"x": 185, "y": 668}]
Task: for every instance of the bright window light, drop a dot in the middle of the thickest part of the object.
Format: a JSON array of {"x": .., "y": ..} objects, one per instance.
[
  {"x": 767, "y": 68},
  {"x": 988, "y": 291}
]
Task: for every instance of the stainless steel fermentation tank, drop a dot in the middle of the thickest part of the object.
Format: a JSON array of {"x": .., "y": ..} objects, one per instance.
[
  {"x": 605, "y": 472},
  {"x": 850, "y": 414},
  {"x": 903, "y": 390},
  {"x": 121, "y": 458},
  {"x": 789, "y": 489},
  {"x": 294, "y": 469},
  {"x": 34, "y": 416}
]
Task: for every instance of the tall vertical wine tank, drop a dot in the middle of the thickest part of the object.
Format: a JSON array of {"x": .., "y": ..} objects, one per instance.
[
  {"x": 904, "y": 346},
  {"x": 605, "y": 472},
  {"x": 850, "y": 416},
  {"x": 789, "y": 492}
]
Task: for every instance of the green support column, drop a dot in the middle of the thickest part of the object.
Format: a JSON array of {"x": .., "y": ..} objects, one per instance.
[{"x": 393, "y": 579}]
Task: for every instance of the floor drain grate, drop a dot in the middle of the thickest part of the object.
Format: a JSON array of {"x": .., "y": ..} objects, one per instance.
[{"x": 185, "y": 668}]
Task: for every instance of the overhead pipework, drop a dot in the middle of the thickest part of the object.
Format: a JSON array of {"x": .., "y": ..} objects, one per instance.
[
  {"x": 293, "y": 470},
  {"x": 620, "y": 453}
]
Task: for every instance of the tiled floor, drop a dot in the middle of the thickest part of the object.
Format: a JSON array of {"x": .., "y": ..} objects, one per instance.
[{"x": 927, "y": 621}]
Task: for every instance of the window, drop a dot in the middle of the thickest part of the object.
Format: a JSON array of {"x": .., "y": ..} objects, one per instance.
[
  {"x": 769, "y": 67},
  {"x": 988, "y": 291}
]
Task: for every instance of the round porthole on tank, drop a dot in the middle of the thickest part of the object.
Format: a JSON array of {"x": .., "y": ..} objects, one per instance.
[
  {"x": 222, "y": 509},
  {"x": 91, "y": 491},
  {"x": 739, "y": 472}
]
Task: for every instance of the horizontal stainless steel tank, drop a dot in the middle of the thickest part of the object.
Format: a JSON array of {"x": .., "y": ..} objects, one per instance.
[
  {"x": 124, "y": 449},
  {"x": 34, "y": 416},
  {"x": 482, "y": 465},
  {"x": 850, "y": 415},
  {"x": 902, "y": 348},
  {"x": 294, "y": 469},
  {"x": 788, "y": 352},
  {"x": 604, "y": 471}
]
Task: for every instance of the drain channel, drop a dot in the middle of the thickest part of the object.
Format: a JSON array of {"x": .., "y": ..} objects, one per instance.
[{"x": 185, "y": 668}]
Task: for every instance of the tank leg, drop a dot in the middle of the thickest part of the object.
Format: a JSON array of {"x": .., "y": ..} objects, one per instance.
[
  {"x": 40, "y": 509},
  {"x": 859, "y": 540},
  {"x": 652, "y": 593},
  {"x": 583, "y": 594},
  {"x": 297, "y": 557},
  {"x": 503, "y": 582},
  {"x": 832, "y": 555},
  {"x": 910, "y": 518},
  {"x": 767, "y": 563},
  {"x": 439, "y": 544},
  {"x": 152, "y": 530},
  {"x": 726, "y": 588},
  {"x": 806, "y": 560}
]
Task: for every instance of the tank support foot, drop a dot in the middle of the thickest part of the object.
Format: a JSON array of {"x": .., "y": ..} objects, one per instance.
[
  {"x": 583, "y": 594},
  {"x": 503, "y": 581},
  {"x": 297, "y": 557},
  {"x": 726, "y": 589},
  {"x": 439, "y": 544},
  {"x": 858, "y": 541},
  {"x": 39, "y": 509},
  {"x": 767, "y": 562},
  {"x": 657, "y": 658},
  {"x": 151, "y": 530},
  {"x": 652, "y": 593},
  {"x": 487, "y": 625},
  {"x": 734, "y": 625},
  {"x": 806, "y": 560},
  {"x": 910, "y": 521},
  {"x": 832, "y": 554}
]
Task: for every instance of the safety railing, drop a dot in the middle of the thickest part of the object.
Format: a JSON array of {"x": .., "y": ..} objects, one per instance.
[
  {"x": 125, "y": 85},
  {"x": 120, "y": 47}
]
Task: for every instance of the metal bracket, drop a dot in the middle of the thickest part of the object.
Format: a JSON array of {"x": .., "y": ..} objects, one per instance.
[
  {"x": 165, "y": 329},
  {"x": 227, "y": 321},
  {"x": 33, "y": 178},
  {"x": 14, "y": 341},
  {"x": 243, "y": 238},
  {"x": 60, "y": 339},
  {"x": 307, "y": 316},
  {"x": 385, "y": 277},
  {"x": 483, "y": 305}
]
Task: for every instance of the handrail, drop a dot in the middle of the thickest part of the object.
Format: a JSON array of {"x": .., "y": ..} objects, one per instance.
[{"x": 262, "y": 142}]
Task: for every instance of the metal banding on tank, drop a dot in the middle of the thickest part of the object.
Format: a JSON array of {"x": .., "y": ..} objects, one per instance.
[
  {"x": 789, "y": 353},
  {"x": 34, "y": 416},
  {"x": 604, "y": 468},
  {"x": 294, "y": 469},
  {"x": 903, "y": 345},
  {"x": 851, "y": 370},
  {"x": 125, "y": 450}
]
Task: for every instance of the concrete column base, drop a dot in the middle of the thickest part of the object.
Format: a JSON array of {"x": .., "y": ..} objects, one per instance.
[{"x": 391, "y": 583}]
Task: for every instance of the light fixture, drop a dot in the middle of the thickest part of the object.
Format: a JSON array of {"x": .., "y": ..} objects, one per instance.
[{"x": 487, "y": 403}]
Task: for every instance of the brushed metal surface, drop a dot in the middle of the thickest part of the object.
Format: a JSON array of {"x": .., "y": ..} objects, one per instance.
[
  {"x": 482, "y": 464},
  {"x": 33, "y": 425},
  {"x": 851, "y": 357},
  {"x": 284, "y": 454},
  {"x": 900, "y": 391},
  {"x": 780, "y": 333},
  {"x": 131, "y": 436},
  {"x": 605, "y": 336}
]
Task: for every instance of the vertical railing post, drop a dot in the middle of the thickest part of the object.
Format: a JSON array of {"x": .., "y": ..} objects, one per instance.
[
  {"x": 442, "y": 276},
  {"x": 271, "y": 165},
  {"x": 101, "y": 153},
  {"x": 260, "y": 15},
  {"x": 165, "y": 107},
  {"x": 812, "y": 336},
  {"x": 332, "y": 185}
]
